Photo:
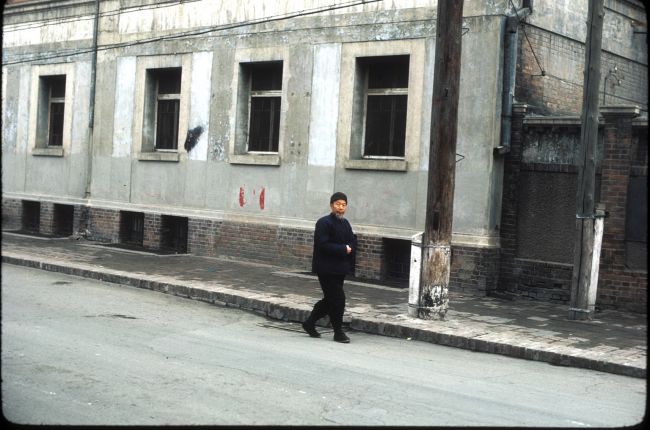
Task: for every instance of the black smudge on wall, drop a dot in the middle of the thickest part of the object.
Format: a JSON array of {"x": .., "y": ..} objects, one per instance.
[{"x": 193, "y": 137}]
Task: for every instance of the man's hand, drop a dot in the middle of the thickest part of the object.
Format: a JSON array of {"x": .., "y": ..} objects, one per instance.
[{"x": 348, "y": 249}]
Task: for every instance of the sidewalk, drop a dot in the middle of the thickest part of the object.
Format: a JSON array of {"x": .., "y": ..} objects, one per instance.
[{"x": 614, "y": 342}]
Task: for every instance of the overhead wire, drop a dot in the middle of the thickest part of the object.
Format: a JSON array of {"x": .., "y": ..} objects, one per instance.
[
  {"x": 191, "y": 33},
  {"x": 543, "y": 72},
  {"x": 88, "y": 17},
  {"x": 523, "y": 28}
]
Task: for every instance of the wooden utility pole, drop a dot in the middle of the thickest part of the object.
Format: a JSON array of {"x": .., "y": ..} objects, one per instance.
[
  {"x": 433, "y": 299},
  {"x": 582, "y": 287}
]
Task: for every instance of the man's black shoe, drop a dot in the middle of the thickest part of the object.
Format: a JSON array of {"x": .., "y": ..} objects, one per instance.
[
  {"x": 310, "y": 329},
  {"x": 341, "y": 337}
]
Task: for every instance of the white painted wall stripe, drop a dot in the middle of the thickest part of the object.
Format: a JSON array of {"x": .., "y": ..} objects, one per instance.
[
  {"x": 200, "y": 102},
  {"x": 324, "y": 105},
  {"x": 124, "y": 105}
]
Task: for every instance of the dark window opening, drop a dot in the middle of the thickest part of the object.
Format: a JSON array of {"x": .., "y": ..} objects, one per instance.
[
  {"x": 264, "y": 106},
  {"x": 54, "y": 90},
  {"x": 266, "y": 76},
  {"x": 31, "y": 217},
  {"x": 167, "y": 124},
  {"x": 387, "y": 72},
  {"x": 386, "y": 126},
  {"x": 132, "y": 228},
  {"x": 169, "y": 80},
  {"x": 63, "y": 220},
  {"x": 264, "y": 124},
  {"x": 168, "y": 95},
  {"x": 636, "y": 224},
  {"x": 386, "y": 99},
  {"x": 397, "y": 260},
  {"x": 56, "y": 124},
  {"x": 173, "y": 234}
]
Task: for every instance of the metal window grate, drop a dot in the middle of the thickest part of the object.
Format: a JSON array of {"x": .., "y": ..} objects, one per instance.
[{"x": 132, "y": 228}]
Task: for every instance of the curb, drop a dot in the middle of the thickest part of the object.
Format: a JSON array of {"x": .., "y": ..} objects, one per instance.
[{"x": 280, "y": 309}]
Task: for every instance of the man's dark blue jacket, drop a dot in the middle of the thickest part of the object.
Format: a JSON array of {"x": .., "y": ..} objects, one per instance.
[{"x": 330, "y": 237}]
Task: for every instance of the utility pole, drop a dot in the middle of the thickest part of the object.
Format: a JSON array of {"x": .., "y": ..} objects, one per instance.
[
  {"x": 585, "y": 266},
  {"x": 91, "y": 107},
  {"x": 432, "y": 291}
]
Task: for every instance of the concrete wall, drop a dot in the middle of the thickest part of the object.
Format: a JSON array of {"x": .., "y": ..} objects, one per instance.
[
  {"x": 107, "y": 167},
  {"x": 318, "y": 53}
]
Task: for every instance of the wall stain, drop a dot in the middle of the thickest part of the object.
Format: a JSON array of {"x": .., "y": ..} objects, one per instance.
[
  {"x": 262, "y": 196},
  {"x": 193, "y": 137},
  {"x": 242, "y": 201}
]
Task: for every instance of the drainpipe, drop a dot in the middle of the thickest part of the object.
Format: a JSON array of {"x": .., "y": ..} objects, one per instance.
[
  {"x": 91, "y": 109},
  {"x": 509, "y": 74}
]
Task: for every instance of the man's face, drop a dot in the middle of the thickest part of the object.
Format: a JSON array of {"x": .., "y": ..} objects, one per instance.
[{"x": 339, "y": 207}]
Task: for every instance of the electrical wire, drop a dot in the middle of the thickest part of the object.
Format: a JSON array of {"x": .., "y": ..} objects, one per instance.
[
  {"x": 87, "y": 17},
  {"x": 523, "y": 28},
  {"x": 542, "y": 71},
  {"x": 550, "y": 75},
  {"x": 193, "y": 33}
]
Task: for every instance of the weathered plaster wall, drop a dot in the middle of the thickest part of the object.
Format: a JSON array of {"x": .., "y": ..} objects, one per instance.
[
  {"x": 555, "y": 44},
  {"x": 621, "y": 22},
  {"x": 299, "y": 188},
  {"x": 390, "y": 203}
]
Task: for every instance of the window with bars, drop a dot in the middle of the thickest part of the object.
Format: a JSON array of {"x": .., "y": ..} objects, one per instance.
[
  {"x": 385, "y": 104},
  {"x": 167, "y": 84},
  {"x": 265, "y": 83}
]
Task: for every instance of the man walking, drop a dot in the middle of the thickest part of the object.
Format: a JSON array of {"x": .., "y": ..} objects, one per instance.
[{"x": 334, "y": 250}]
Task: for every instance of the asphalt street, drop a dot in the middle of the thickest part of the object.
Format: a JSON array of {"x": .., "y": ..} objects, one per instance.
[
  {"x": 614, "y": 341},
  {"x": 78, "y": 351}
]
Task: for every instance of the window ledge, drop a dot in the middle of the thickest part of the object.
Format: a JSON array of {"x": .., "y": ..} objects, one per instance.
[
  {"x": 256, "y": 159},
  {"x": 51, "y": 151},
  {"x": 376, "y": 164},
  {"x": 158, "y": 156}
]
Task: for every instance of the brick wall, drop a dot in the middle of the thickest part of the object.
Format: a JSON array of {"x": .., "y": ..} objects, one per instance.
[
  {"x": 47, "y": 218},
  {"x": 474, "y": 270},
  {"x": 12, "y": 211},
  {"x": 560, "y": 90},
  {"x": 618, "y": 286},
  {"x": 253, "y": 242},
  {"x": 104, "y": 225},
  {"x": 542, "y": 280},
  {"x": 81, "y": 219},
  {"x": 200, "y": 236},
  {"x": 368, "y": 259},
  {"x": 151, "y": 238}
]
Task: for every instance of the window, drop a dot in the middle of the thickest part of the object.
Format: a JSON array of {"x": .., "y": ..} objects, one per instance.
[
  {"x": 636, "y": 223},
  {"x": 386, "y": 96},
  {"x": 167, "y": 84},
  {"x": 51, "y": 109},
  {"x": 257, "y": 108},
  {"x": 132, "y": 228},
  {"x": 161, "y": 106},
  {"x": 54, "y": 91},
  {"x": 265, "y": 83},
  {"x": 383, "y": 103}
]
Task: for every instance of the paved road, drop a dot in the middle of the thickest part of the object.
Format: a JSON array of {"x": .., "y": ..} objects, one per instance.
[{"x": 81, "y": 352}]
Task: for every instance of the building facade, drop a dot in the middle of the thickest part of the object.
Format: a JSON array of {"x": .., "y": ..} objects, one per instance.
[{"x": 222, "y": 128}]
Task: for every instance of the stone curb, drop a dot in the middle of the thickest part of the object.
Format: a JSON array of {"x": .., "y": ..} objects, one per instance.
[{"x": 280, "y": 309}]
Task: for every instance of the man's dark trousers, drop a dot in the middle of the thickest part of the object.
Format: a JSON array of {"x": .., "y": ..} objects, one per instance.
[{"x": 333, "y": 301}]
